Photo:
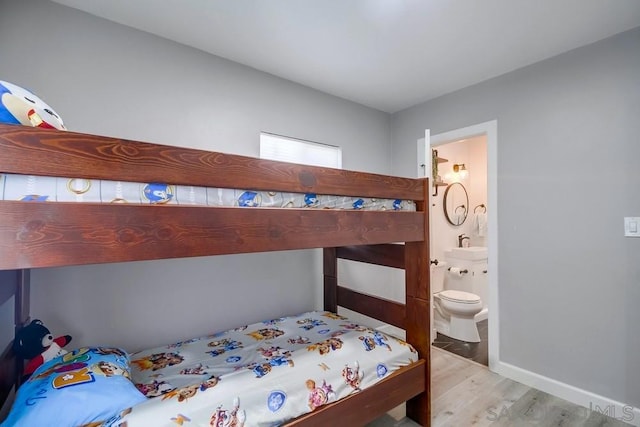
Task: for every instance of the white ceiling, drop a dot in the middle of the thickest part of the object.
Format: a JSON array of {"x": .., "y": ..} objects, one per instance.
[{"x": 386, "y": 54}]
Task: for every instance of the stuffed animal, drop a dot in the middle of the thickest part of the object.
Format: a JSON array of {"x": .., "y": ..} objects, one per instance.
[
  {"x": 21, "y": 107},
  {"x": 35, "y": 343}
]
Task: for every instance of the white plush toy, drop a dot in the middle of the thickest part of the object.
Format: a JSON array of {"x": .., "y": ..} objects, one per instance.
[{"x": 21, "y": 107}]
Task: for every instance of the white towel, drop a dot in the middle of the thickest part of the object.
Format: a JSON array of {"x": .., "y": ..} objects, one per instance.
[{"x": 480, "y": 224}]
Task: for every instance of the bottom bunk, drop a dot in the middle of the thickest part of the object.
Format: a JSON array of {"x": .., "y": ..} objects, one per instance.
[
  {"x": 349, "y": 374},
  {"x": 263, "y": 374}
]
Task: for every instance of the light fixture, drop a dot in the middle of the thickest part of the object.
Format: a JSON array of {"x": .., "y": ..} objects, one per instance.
[{"x": 461, "y": 170}]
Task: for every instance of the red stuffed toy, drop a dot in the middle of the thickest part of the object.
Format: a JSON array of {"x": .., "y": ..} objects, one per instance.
[{"x": 35, "y": 343}]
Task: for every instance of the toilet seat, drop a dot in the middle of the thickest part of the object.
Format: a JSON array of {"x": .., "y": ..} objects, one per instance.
[{"x": 459, "y": 296}]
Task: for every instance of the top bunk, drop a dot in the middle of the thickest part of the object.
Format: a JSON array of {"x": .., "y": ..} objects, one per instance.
[{"x": 36, "y": 233}]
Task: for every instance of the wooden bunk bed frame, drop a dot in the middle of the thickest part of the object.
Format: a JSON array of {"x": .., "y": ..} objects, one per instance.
[{"x": 37, "y": 235}]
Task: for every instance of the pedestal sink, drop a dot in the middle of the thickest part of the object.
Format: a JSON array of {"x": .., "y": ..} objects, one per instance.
[{"x": 472, "y": 253}]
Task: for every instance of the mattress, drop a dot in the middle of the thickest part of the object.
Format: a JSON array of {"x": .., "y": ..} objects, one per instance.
[
  {"x": 261, "y": 374},
  {"x": 31, "y": 188}
]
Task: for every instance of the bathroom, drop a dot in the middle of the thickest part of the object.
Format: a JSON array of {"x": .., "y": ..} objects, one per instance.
[{"x": 457, "y": 222}]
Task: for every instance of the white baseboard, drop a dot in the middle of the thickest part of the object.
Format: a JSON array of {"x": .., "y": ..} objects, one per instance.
[{"x": 591, "y": 401}]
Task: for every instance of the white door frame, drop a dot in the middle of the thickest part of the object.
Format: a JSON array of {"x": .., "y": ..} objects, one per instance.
[{"x": 490, "y": 130}]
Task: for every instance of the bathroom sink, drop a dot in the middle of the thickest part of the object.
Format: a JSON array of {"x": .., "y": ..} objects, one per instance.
[{"x": 472, "y": 253}]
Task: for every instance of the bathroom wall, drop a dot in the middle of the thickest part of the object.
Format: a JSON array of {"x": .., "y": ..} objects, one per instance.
[
  {"x": 567, "y": 173},
  {"x": 473, "y": 153}
]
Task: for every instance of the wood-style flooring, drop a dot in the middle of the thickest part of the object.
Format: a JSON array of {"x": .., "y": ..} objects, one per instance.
[{"x": 466, "y": 393}]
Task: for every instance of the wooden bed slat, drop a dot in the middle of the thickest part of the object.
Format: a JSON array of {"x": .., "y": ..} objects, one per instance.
[
  {"x": 389, "y": 255},
  {"x": 57, "y": 234},
  {"x": 364, "y": 406},
  {"x": 382, "y": 309},
  {"x": 27, "y": 150}
]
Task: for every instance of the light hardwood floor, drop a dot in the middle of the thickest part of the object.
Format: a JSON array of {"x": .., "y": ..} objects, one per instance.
[{"x": 468, "y": 394}]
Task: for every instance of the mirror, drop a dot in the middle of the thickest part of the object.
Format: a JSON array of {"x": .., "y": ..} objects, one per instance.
[{"x": 456, "y": 203}]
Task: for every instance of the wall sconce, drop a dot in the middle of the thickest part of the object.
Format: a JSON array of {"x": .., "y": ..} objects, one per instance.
[{"x": 461, "y": 170}]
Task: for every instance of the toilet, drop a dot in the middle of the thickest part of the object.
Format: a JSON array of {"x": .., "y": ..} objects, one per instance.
[{"x": 454, "y": 307}]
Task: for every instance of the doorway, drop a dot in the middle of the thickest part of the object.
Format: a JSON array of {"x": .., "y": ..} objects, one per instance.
[{"x": 486, "y": 133}]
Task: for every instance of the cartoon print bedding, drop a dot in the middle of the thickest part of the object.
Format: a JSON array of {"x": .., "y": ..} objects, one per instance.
[
  {"x": 30, "y": 188},
  {"x": 262, "y": 374}
]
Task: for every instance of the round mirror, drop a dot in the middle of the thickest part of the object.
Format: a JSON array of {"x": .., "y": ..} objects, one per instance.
[{"x": 456, "y": 203}]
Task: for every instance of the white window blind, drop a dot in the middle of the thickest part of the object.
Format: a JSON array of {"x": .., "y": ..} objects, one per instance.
[{"x": 285, "y": 149}]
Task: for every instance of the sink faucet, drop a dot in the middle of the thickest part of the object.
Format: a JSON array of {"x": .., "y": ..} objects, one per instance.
[{"x": 461, "y": 238}]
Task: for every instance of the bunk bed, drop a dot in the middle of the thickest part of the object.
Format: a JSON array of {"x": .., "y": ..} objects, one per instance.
[{"x": 50, "y": 234}]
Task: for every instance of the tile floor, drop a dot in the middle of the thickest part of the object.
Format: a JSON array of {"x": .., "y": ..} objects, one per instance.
[{"x": 478, "y": 352}]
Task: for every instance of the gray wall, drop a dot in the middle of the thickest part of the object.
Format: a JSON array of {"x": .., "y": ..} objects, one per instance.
[
  {"x": 568, "y": 152},
  {"x": 108, "y": 79}
]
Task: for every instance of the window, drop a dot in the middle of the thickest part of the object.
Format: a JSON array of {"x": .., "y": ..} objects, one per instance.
[{"x": 285, "y": 149}]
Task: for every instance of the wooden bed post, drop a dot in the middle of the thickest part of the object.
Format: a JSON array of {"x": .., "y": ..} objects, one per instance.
[
  {"x": 23, "y": 283},
  {"x": 22, "y": 310},
  {"x": 13, "y": 283},
  {"x": 330, "y": 274},
  {"x": 418, "y": 306}
]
